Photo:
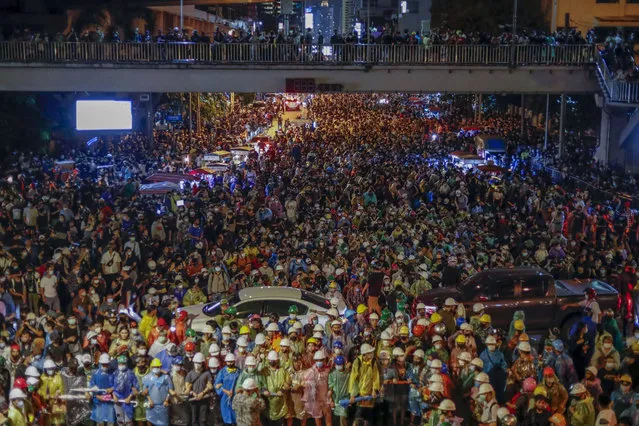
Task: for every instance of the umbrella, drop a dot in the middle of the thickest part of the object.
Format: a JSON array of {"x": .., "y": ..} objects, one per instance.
[{"x": 159, "y": 188}]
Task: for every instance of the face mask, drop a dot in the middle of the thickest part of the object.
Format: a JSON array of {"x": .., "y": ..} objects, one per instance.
[
  {"x": 339, "y": 367},
  {"x": 315, "y": 321},
  {"x": 241, "y": 350},
  {"x": 71, "y": 322},
  {"x": 122, "y": 367},
  {"x": 491, "y": 348},
  {"x": 319, "y": 364},
  {"x": 482, "y": 398},
  {"x": 50, "y": 372},
  {"x": 162, "y": 339},
  {"x": 142, "y": 352},
  {"x": 213, "y": 370},
  {"x": 98, "y": 330},
  {"x": 197, "y": 366},
  {"x": 109, "y": 300},
  {"x": 94, "y": 341},
  {"x": 156, "y": 371},
  {"x": 437, "y": 345},
  {"x": 607, "y": 346},
  {"x": 31, "y": 388},
  {"x": 610, "y": 365},
  {"x": 105, "y": 368},
  {"x": 19, "y": 403}
]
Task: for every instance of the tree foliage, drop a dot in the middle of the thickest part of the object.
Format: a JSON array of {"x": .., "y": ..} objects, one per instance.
[
  {"x": 486, "y": 15},
  {"x": 115, "y": 15}
]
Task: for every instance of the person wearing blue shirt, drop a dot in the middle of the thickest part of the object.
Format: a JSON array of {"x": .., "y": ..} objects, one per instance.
[
  {"x": 157, "y": 387},
  {"x": 167, "y": 356},
  {"x": 196, "y": 232},
  {"x": 225, "y": 388},
  {"x": 495, "y": 366}
]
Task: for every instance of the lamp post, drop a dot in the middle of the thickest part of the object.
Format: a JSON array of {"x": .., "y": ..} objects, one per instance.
[
  {"x": 514, "y": 29},
  {"x": 181, "y": 15}
]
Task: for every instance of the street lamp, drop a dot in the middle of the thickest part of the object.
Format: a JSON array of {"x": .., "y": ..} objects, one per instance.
[{"x": 181, "y": 15}]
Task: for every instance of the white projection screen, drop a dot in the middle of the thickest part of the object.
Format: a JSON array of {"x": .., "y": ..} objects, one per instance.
[{"x": 103, "y": 115}]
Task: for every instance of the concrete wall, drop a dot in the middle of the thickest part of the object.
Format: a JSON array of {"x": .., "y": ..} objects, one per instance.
[{"x": 264, "y": 79}]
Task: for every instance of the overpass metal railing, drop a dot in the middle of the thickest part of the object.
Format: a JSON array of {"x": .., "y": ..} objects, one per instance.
[
  {"x": 191, "y": 53},
  {"x": 621, "y": 91}
]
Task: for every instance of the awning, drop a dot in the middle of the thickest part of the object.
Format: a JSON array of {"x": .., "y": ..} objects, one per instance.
[{"x": 490, "y": 143}]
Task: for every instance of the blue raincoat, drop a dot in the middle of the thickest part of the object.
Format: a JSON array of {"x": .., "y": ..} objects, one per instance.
[
  {"x": 158, "y": 387},
  {"x": 227, "y": 379},
  {"x": 124, "y": 381},
  {"x": 102, "y": 412}
]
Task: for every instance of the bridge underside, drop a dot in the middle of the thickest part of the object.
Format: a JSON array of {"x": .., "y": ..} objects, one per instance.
[{"x": 35, "y": 77}]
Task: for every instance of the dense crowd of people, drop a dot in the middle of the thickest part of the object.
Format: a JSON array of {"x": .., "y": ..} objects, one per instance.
[
  {"x": 364, "y": 207},
  {"x": 388, "y": 36}
]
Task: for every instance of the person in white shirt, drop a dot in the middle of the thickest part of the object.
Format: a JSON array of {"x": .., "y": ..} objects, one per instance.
[
  {"x": 111, "y": 264},
  {"x": 49, "y": 289}
]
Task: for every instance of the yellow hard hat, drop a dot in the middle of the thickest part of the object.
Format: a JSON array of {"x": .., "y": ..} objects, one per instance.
[
  {"x": 403, "y": 330},
  {"x": 519, "y": 325},
  {"x": 398, "y": 282},
  {"x": 244, "y": 330},
  {"x": 523, "y": 337},
  {"x": 156, "y": 363},
  {"x": 435, "y": 318},
  {"x": 460, "y": 338},
  {"x": 333, "y": 284},
  {"x": 312, "y": 340},
  {"x": 540, "y": 390},
  {"x": 361, "y": 309},
  {"x": 484, "y": 318},
  {"x": 626, "y": 378}
]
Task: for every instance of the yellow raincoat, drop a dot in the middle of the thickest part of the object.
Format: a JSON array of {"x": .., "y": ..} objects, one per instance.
[
  {"x": 51, "y": 387},
  {"x": 277, "y": 381},
  {"x": 147, "y": 323},
  {"x": 364, "y": 380}
]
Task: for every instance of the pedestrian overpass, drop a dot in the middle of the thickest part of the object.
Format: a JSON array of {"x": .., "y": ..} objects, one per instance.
[{"x": 264, "y": 68}]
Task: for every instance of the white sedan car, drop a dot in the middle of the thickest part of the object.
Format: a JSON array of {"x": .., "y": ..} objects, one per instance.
[{"x": 265, "y": 301}]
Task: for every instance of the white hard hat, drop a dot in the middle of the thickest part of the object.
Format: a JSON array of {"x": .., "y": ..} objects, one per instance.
[
  {"x": 260, "y": 339},
  {"x": 423, "y": 267},
  {"x": 214, "y": 349},
  {"x": 297, "y": 326},
  {"x": 477, "y": 362},
  {"x": 418, "y": 353},
  {"x": 478, "y": 307},
  {"x": 16, "y": 393},
  {"x": 435, "y": 364},
  {"x": 386, "y": 335},
  {"x": 336, "y": 322},
  {"x": 447, "y": 405},
  {"x": 482, "y": 378},
  {"x": 32, "y": 381},
  {"x": 285, "y": 342},
  {"x": 249, "y": 384},
  {"x": 49, "y": 364},
  {"x": 334, "y": 302},
  {"x": 229, "y": 358},
  {"x": 421, "y": 306},
  {"x": 384, "y": 355},
  {"x": 450, "y": 302},
  {"x": 373, "y": 316},
  {"x": 319, "y": 355},
  {"x": 577, "y": 389},
  {"x": 242, "y": 341},
  {"x": 31, "y": 371},
  {"x": 317, "y": 335},
  {"x": 524, "y": 346},
  {"x": 366, "y": 349},
  {"x": 273, "y": 356},
  {"x": 399, "y": 314},
  {"x": 272, "y": 327},
  {"x": 226, "y": 329},
  {"x": 465, "y": 356},
  {"x": 318, "y": 328},
  {"x": 104, "y": 359},
  {"x": 466, "y": 327},
  {"x": 502, "y": 412},
  {"x": 214, "y": 362},
  {"x": 437, "y": 338},
  {"x": 435, "y": 378},
  {"x": 436, "y": 387},
  {"x": 208, "y": 329},
  {"x": 198, "y": 357},
  {"x": 490, "y": 340},
  {"x": 485, "y": 388},
  {"x": 398, "y": 352},
  {"x": 250, "y": 360},
  {"x": 332, "y": 312}
]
